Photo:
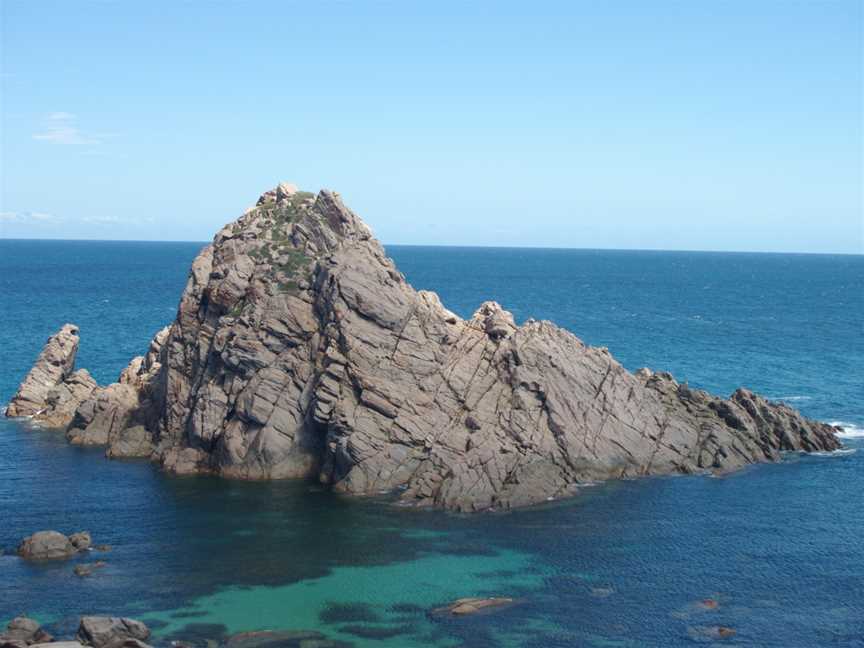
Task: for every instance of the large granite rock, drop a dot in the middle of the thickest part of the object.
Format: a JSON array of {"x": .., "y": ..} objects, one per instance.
[
  {"x": 299, "y": 350},
  {"x": 53, "y": 370},
  {"x": 53, "y": 545}
]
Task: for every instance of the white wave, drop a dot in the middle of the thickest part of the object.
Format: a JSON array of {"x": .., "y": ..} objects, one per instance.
[
  {"x": 792, "y": 399},
  {"x": 850, "y": 430},
  {"x": 834, "y": 453}
]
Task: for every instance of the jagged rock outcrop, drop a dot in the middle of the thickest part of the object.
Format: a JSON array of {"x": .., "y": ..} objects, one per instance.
[
  {"x": 300, "y": 351},
  {"x": 120, "y": 414},
  {"x": 51, "y": 391}
]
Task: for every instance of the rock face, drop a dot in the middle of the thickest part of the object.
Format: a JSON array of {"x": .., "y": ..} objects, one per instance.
[{"x": 300, "y": 351}]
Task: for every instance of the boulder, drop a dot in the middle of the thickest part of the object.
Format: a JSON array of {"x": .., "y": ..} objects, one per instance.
[
  {"x": 20, "y": 631},
  {"x": 46, "y": 545},
  {"x": 23, "y": 631},
  {"x": 105, "y": 414},
  {"x": 113, "y": 632},
  {"x": 81, "y": 540}
]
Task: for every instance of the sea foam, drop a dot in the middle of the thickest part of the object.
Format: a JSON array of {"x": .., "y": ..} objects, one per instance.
[{"x": 850, "y": 430}]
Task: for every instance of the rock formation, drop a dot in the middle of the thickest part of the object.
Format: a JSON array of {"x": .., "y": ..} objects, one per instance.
[
  {"x": 300, "y": 351},
  {"x": 51, "y": 390},
  {"x": 93, "y": 631},
  {"x": 52, "y": 545},
  {"x": 112, "y": 632},
  {"x": 22, "y": 632}
]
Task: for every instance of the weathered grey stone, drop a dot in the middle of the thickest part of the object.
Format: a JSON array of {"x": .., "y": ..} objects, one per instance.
[
  {"x": 53, "y": 366},
  {"x": 299, "y": 351},
  {"x": 102, "y": 632},
  {"x": 62, "y": 401},
  {"x": 23, "y": 631},
  {"x": 46, "y": 545},
  {"x": 81, "y": 540},
  {"x": 105, "y": 414}
]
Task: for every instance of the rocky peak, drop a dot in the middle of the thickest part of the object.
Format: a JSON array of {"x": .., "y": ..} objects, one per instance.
[
  {"x": 496, "y": 322},
  {"x": 300, "y": 351},
  {"x": 53, "y": 366}
]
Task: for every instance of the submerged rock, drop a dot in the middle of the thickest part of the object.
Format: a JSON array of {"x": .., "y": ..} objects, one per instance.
[
  {"x": 464, "y": 606},
  {"x": 87, "y": 569},
  {"x": 300, "y": 351},
  {"x": 271, "y": 638},
  {"x": 710, "y": 633}
]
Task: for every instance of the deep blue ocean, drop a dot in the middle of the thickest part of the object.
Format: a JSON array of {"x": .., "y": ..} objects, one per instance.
[{"x": 779, "y": 547}]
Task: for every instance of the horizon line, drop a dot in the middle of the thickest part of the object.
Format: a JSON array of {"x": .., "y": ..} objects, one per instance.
[{"x": 463, "y": 246}]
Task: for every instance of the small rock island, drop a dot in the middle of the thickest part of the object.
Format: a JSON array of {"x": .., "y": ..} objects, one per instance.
[{"x": 300, "y": 351}]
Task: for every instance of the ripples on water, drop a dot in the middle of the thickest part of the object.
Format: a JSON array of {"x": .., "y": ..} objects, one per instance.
[{"x": 624, "y": 564}]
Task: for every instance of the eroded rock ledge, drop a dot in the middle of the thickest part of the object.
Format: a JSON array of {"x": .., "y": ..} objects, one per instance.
[{"x": 300, "y": 351}]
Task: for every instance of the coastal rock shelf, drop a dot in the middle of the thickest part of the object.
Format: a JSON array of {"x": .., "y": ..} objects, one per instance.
[{"x": 300, "y": 351}]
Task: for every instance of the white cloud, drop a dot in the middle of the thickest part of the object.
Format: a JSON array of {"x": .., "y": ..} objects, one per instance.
[
  {"x": 29, "y": 218},
  {"x": 102, "y": 220},
  {"x": 60, "y": 128},
  {"x": 42, "y": 219}
]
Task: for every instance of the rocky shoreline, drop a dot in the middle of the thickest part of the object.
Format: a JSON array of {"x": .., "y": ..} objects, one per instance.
[
  {"x": 93, "y": 631},
  {"x": 300, "y": 351},
  {"x": 122, "y": 632}
]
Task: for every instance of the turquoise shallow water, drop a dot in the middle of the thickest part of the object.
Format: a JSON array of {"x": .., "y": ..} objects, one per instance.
[{"x": 624, "y": 564}]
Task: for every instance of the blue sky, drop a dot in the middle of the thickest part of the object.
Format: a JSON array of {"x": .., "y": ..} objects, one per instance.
[{"x": 714, "y": 125}]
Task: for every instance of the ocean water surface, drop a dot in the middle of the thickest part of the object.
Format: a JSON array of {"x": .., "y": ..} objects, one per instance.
[{"x": 779, "y": 547}]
